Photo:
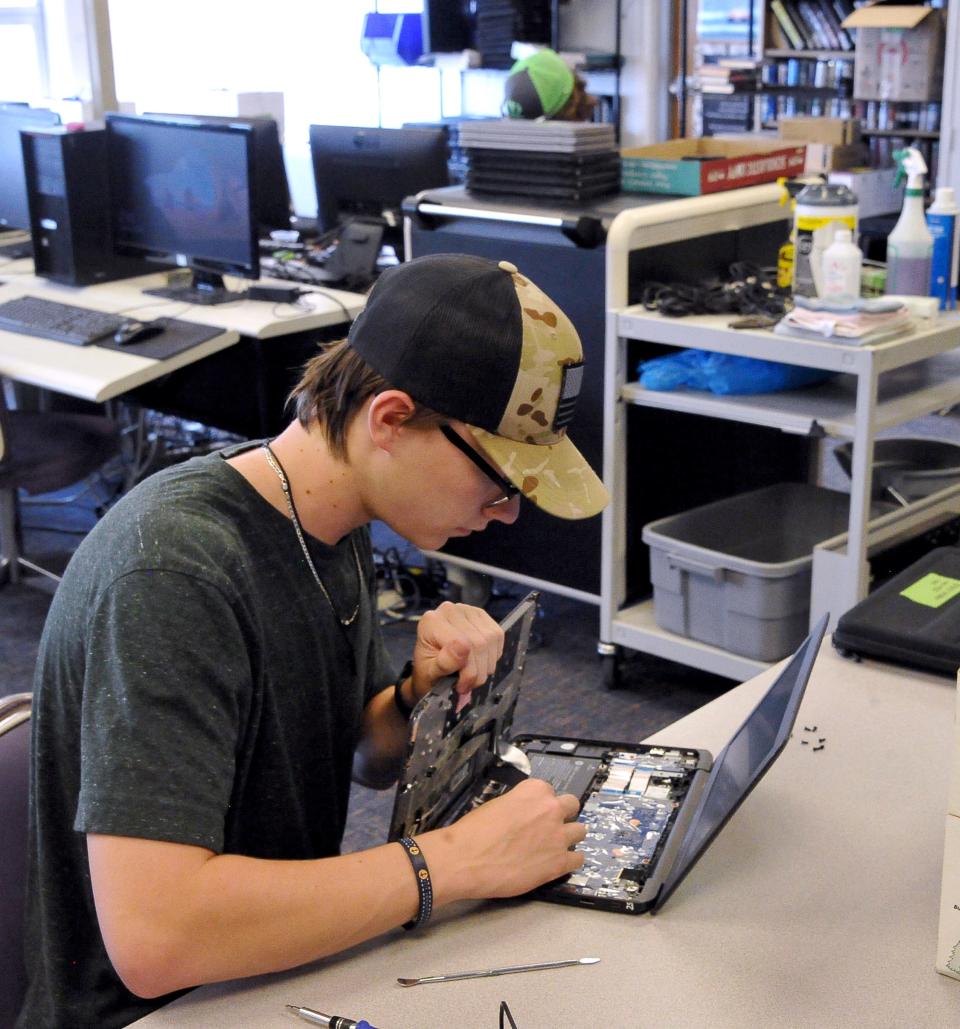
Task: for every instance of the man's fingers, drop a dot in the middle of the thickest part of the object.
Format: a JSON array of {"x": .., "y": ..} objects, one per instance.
[{"x": 570, "y": 805}]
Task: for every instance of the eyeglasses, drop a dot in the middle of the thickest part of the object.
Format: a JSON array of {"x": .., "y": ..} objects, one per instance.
[{"x": 509, "y": 490}]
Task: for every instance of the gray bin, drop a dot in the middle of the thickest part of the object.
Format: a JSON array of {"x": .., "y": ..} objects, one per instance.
[{"x": 736, "y": 573}]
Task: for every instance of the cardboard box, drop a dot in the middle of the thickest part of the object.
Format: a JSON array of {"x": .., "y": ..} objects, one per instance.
[
  {"x": 899, "y": 52},
  {"x": 839, "y": 131},
  {"x": 827, "y": 157},
  {"x": 689, "y": 167},
  {"x": 874, "y": 188}
]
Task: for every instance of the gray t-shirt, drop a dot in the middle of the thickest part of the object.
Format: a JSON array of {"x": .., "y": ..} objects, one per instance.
[{"x": 193, "y": 686}]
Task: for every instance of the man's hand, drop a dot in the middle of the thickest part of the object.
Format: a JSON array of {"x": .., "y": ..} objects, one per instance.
[
  {"x": 509, "y": 845},
  {"x": 455, "y": 639}
]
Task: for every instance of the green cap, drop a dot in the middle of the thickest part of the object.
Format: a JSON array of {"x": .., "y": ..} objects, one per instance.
[{"x": 538, "y": 86}]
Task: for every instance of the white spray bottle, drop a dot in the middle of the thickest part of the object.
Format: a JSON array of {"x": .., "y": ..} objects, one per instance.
[{"x": 910, "y": 245}]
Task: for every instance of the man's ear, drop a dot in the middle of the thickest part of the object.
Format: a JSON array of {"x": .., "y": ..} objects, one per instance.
[{"x": 388, "y": 413}]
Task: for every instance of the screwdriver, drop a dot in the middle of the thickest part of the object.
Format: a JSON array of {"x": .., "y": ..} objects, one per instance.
[{"x": 332, "y": 1021}]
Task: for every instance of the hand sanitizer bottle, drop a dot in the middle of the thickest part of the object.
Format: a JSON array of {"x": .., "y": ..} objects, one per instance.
[
  {"x": 841, "y": 267},
  {"x": 910, "y": 245}
]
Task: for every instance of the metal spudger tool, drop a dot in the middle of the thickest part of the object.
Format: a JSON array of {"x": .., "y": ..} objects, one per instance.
[
  {"x": 507, "y": 970},
  {"x": 332, "y": 1021}
]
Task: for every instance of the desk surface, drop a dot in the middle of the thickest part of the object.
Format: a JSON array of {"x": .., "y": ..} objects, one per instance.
[
  {"x": 94, "y": 373},
  {"x": 816, "y": 906}
]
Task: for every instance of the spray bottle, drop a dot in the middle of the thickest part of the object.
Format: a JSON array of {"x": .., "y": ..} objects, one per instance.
[
  {"x": 942, "y": 223},
  {"x": 910, "y": 245}
]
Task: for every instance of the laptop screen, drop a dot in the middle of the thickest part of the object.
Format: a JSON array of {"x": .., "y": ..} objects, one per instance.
[{"x": 743, "y": 761}]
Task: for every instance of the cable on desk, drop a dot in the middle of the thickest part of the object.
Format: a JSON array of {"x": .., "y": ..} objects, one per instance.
[
  {"x": 748, "y": 290},
  {"x": 347, "y": 316}
]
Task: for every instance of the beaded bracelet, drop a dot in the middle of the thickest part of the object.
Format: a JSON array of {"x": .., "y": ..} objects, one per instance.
[{"x": 424, "y": 883}]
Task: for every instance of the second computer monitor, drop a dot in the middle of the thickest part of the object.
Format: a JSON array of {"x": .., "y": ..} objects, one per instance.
[
  {"x": 271, "y": 192},
  {"x": 14, "y": 210},
  {"x": 368, "y": 172}
]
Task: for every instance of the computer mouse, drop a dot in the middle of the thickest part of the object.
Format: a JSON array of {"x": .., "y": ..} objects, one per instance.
[{"x": 134, "y": 331}]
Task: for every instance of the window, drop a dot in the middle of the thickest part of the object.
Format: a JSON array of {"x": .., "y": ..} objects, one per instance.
[
  {"x": 174, "y": 56},
  {"x": 23, "y": 70}
]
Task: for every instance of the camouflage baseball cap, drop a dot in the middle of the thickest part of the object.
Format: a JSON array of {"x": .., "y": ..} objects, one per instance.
[{"x": 478, "y": 342}]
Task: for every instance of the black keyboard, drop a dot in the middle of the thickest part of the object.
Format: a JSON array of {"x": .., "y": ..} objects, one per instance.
[
  {"x": 33, "y": 316},
  {"x": 14, "y": 251}
]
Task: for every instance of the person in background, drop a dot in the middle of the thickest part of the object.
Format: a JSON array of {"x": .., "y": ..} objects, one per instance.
[
  {"x": 211, "y": 674},
  {"x": 543, "y": 85}
]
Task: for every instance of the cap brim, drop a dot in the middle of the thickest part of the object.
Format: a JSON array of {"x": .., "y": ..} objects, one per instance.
[{"x": 555, "y": 477}]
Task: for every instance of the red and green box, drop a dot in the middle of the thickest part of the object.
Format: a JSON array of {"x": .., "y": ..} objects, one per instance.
[{"x": 690, "y": 167}]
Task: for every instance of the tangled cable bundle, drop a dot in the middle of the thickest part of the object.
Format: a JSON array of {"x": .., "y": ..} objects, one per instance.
[{"x": 749, "y": 290}]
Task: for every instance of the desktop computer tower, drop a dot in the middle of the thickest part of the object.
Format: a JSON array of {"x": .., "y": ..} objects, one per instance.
[{"x": 69, "y": 201}]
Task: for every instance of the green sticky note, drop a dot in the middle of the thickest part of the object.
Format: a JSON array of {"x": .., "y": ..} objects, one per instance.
[{"x": 933, "y": 590}]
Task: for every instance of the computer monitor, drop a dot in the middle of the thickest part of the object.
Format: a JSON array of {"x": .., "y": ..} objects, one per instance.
[
  {"x": 367, "y": 172},
  {"x": 14, "y": 211},
  {"x": 271, "y": 191},
  {"x": 181, "y": 193}
]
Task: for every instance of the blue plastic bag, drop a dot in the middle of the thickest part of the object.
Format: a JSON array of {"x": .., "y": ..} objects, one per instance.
[{"x": 725, "y": 373}]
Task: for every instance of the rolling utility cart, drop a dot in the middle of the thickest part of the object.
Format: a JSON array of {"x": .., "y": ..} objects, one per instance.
[
  {"x": 564, "y": 250},
  {"x": 879, "y": 386}
]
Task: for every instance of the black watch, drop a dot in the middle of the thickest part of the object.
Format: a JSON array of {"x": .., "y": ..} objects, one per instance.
[{"x": 402, "y": 706}]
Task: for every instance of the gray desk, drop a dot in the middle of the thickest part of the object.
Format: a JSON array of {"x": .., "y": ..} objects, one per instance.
[
  {"x": 97, "y": 374},
  {"x": 816, "y": 906}
]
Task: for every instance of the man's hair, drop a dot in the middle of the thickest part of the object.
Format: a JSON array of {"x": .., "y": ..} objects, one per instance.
[{"x": 334, "y": 386}]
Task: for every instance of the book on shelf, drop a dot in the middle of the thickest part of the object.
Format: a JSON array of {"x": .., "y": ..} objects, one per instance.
[
  {"x": 734, "y": 77},
  {"x": 728, "y": 87},
  {"x": 748, "y": 63},
  {"x": 810, "y": 25},
  {"x": 721, "y": 115},
  {"x": 814, "y": 26},
  {"x": 809, "y": 41},
  {"x": 723, "y": 74},
  {"x": 832, "y": 15},
  {"x": 786, "y": 24}
]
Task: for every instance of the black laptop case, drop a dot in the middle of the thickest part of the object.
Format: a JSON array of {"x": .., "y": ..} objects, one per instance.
[{"x": 912, "y": 619}]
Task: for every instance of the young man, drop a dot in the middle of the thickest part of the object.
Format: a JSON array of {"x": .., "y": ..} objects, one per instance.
[{"x": 211, "y": 672}]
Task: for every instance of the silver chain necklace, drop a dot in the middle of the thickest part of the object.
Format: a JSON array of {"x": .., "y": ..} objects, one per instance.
[{"x": 295, "y": 518}]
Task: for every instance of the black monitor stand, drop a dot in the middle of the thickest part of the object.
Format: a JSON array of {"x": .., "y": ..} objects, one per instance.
[{"x": 205, "y": 289}]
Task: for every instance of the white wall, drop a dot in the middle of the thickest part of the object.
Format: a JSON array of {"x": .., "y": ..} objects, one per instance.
[{"x": 645, "y": 45}]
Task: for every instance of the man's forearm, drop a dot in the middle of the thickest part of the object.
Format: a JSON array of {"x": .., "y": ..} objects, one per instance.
[{"x": 174, "y": 916}]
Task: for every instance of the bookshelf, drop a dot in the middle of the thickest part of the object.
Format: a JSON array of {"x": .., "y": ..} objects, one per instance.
[
  {"x": 805, "y": 66},
  {"x": 800, "y": 50}
]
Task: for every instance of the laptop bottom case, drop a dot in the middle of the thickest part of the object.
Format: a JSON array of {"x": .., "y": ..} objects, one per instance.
[{"x": 636, "y": 801}]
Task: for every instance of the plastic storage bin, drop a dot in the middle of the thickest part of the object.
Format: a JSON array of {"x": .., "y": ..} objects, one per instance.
[{"x": 736, "y": 573}]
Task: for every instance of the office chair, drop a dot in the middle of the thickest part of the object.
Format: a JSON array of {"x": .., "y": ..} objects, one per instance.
[
  {"x": 43, "y": 451},
  {"x": 14, "y": 781}
]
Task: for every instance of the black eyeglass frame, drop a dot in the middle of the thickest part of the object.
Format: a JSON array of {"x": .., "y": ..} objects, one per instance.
[{"x": 509, "y": 489}]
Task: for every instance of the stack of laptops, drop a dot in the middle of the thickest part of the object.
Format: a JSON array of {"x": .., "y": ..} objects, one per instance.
[
  {"x": 650, "y": 811},
  {"x": 562, "y": 161}
]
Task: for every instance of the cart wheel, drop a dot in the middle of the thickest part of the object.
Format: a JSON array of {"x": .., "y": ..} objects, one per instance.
[{"x": 610, "y": 670}]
